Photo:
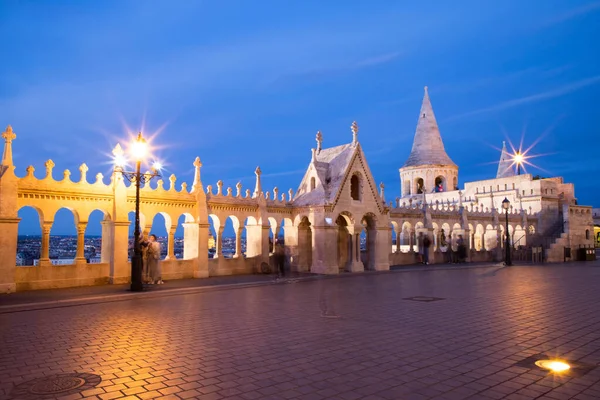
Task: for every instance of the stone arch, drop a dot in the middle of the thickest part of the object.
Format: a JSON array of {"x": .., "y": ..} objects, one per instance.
[
  {"x": 187, "y": 228},
  {"x": 63, "y": 240},
  {"x": 305, "y": 244},
  {"x": 97, "y": 248},
  {"x": 214, "y": 227},
  {"x": 369, "y": 222},
  {"x": 419, "y": 185},
  {"x": 395, "y": 234},
  {"x": 405, "y": 237},
  {"x": 440, "y": 183},
  {"x": 344, "y": 242},
  {"x": 479, "y": 237},
  {"x": 227, "y": 249},
  {"x": 29, "y": 244}
]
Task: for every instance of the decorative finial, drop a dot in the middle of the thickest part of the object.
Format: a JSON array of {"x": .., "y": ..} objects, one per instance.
[
  {"x": 197, "y": 181},
  {"x": 258, "y": 186},
  {"x": 354, "y": 129},
  {"x": 8, "y": 134},
  {"x": 319, "y": 141},
  {"x": 83, "y": 169},
  {"x": 426, "y": 90},
  {"x": 118, "y": 150}
]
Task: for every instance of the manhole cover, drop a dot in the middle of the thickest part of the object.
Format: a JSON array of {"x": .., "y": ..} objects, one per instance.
[
  {"x": 425, "y": 299},
  {"x": 50, "y": 386}
]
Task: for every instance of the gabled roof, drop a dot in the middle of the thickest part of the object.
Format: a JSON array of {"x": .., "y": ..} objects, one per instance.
[
  {"x": 505, "y": 166},
  {"x": 330, "y": 166},
  {"x": 428, "y": 148}
]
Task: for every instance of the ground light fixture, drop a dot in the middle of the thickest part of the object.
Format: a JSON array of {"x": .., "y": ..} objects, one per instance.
[{"x": 555, "y": 366}]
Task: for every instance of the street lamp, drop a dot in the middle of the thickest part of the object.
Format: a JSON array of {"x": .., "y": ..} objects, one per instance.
[
  {"x": 139, "y": 151},
  {"x": 506, "y": 205},
  {"x": 518, "y": 160}
]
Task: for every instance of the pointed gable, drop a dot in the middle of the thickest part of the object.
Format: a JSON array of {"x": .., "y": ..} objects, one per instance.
[
  {"x": 428, "y": 148},
  {"x": 334, "y": 167},
  {"x": 505, "y": 169}
]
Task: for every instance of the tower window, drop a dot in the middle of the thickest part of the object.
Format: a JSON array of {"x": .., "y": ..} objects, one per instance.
[{"x": 313, "y": 183}]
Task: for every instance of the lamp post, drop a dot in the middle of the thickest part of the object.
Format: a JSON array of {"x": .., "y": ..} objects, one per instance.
[
  {"x": 139, "y": 151},
  {"x": 507, "y": 260}
]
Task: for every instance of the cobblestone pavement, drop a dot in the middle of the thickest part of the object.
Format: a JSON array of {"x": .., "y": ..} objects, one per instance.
[{"x": 345, "y": 338}]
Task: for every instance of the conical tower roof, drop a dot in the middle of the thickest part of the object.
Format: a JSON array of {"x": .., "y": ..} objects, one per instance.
[
  {"x": 505, "y": 166},
  {"x": 428, "y": 148}
]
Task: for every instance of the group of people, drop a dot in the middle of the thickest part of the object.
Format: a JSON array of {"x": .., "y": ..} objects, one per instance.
[
  {"x": 458, "y": 256},
  {"x": 151, "y": 269}
]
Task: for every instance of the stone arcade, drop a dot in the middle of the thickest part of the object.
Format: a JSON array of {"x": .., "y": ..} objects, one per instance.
[{"x": 336, "y": 201}]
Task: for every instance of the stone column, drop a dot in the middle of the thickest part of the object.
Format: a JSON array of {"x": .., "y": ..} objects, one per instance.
[
  {"x": 9, "y": 231},
  {"x": 79, "y": 256},
  {"x": 253, "y": 240},
  {"x": 171, "y": 243},
  {"x": 290, "y": 237},
  {"x": 265, "y": 230},
  {"x": 356, "y": 264},
  {"x": 106, "y": 244},
  {"x": 324, "y": 260},
  {"x": 190, "y": 240},
  {"x": 45, "y": 250},
  {"x": 219, "y": 242},
  {"x": 238, "y": 242},
  {"x": 120, "y": 269},
  {"x": 381, "y": 246},
  {"x": 201, "y": 247}
]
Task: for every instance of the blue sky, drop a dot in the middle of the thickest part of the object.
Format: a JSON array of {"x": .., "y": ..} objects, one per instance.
[{"x": 247, "y": 83}]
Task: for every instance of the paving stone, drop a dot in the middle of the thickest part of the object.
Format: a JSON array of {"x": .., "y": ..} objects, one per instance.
[{"x": 271, "y": 342}]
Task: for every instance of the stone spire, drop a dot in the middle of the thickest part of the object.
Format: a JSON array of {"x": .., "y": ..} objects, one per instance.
[
  {"x": 428, "y": 148},
  {"x": 8, "y": 135},
  {"x": 505, "y": 169}
]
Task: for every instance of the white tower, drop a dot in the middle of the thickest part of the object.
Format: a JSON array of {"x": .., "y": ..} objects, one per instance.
[
  {"x": 428, "y": 166},
  {"x": 505, "y": 166}
]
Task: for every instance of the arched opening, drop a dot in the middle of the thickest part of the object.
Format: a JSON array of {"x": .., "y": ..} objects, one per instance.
[
  {"x": 313, "y": 183},
  {"x": 405, "y": 236},
  {"x": 179, "y": 237},
  {"x": 92, "y": 250},
  {"x": 368, "y": 238},
  {"x": 479, "y": 237},
  {"x": 29, "y": 237},
  {"x": 419, "y": 186},
  {"x": 440, "y": 184},
  {"x": 355, "y": 187},
  {"x": 305, "y": 245},
  {"x": 189, "y": 244},
  {"x": 63, "y": 238},
  {"x": 160, "y": 230},
  {"x": 213, "y": 242},
  {"x": 395, "y": 237},
  {"x": 273, "y": 227},
  {"x": 455, "y": 183},
  {"x": 228, "y": 238},
  {"x": 344, "y": 247},
  {"x": 587, "y": 234}
]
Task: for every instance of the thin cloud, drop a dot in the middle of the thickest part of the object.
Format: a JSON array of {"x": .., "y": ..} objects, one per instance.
[
  {"x": 574, "y": 13},
  {"x": 531, "y": 99}
]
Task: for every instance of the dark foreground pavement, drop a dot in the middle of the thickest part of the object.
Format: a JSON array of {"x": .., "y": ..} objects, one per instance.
[{"x": 470, "y": 334}]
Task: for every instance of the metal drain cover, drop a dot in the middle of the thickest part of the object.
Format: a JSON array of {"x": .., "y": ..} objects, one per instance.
[
  {"x": 425, "y": 299},
  {"x": 54, "y": 385}
]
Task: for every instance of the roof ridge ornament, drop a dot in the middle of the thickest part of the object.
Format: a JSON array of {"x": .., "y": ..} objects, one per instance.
[
  {"x": 354, "y": 129},
  {"x": 319, "y": 139}
]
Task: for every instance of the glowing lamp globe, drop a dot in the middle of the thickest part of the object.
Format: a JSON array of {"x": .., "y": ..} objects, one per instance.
[{"x": 139, "y": 148}]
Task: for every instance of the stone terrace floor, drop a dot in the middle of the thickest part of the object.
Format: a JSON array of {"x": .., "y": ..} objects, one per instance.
[{"x": 343, "y": 338}]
